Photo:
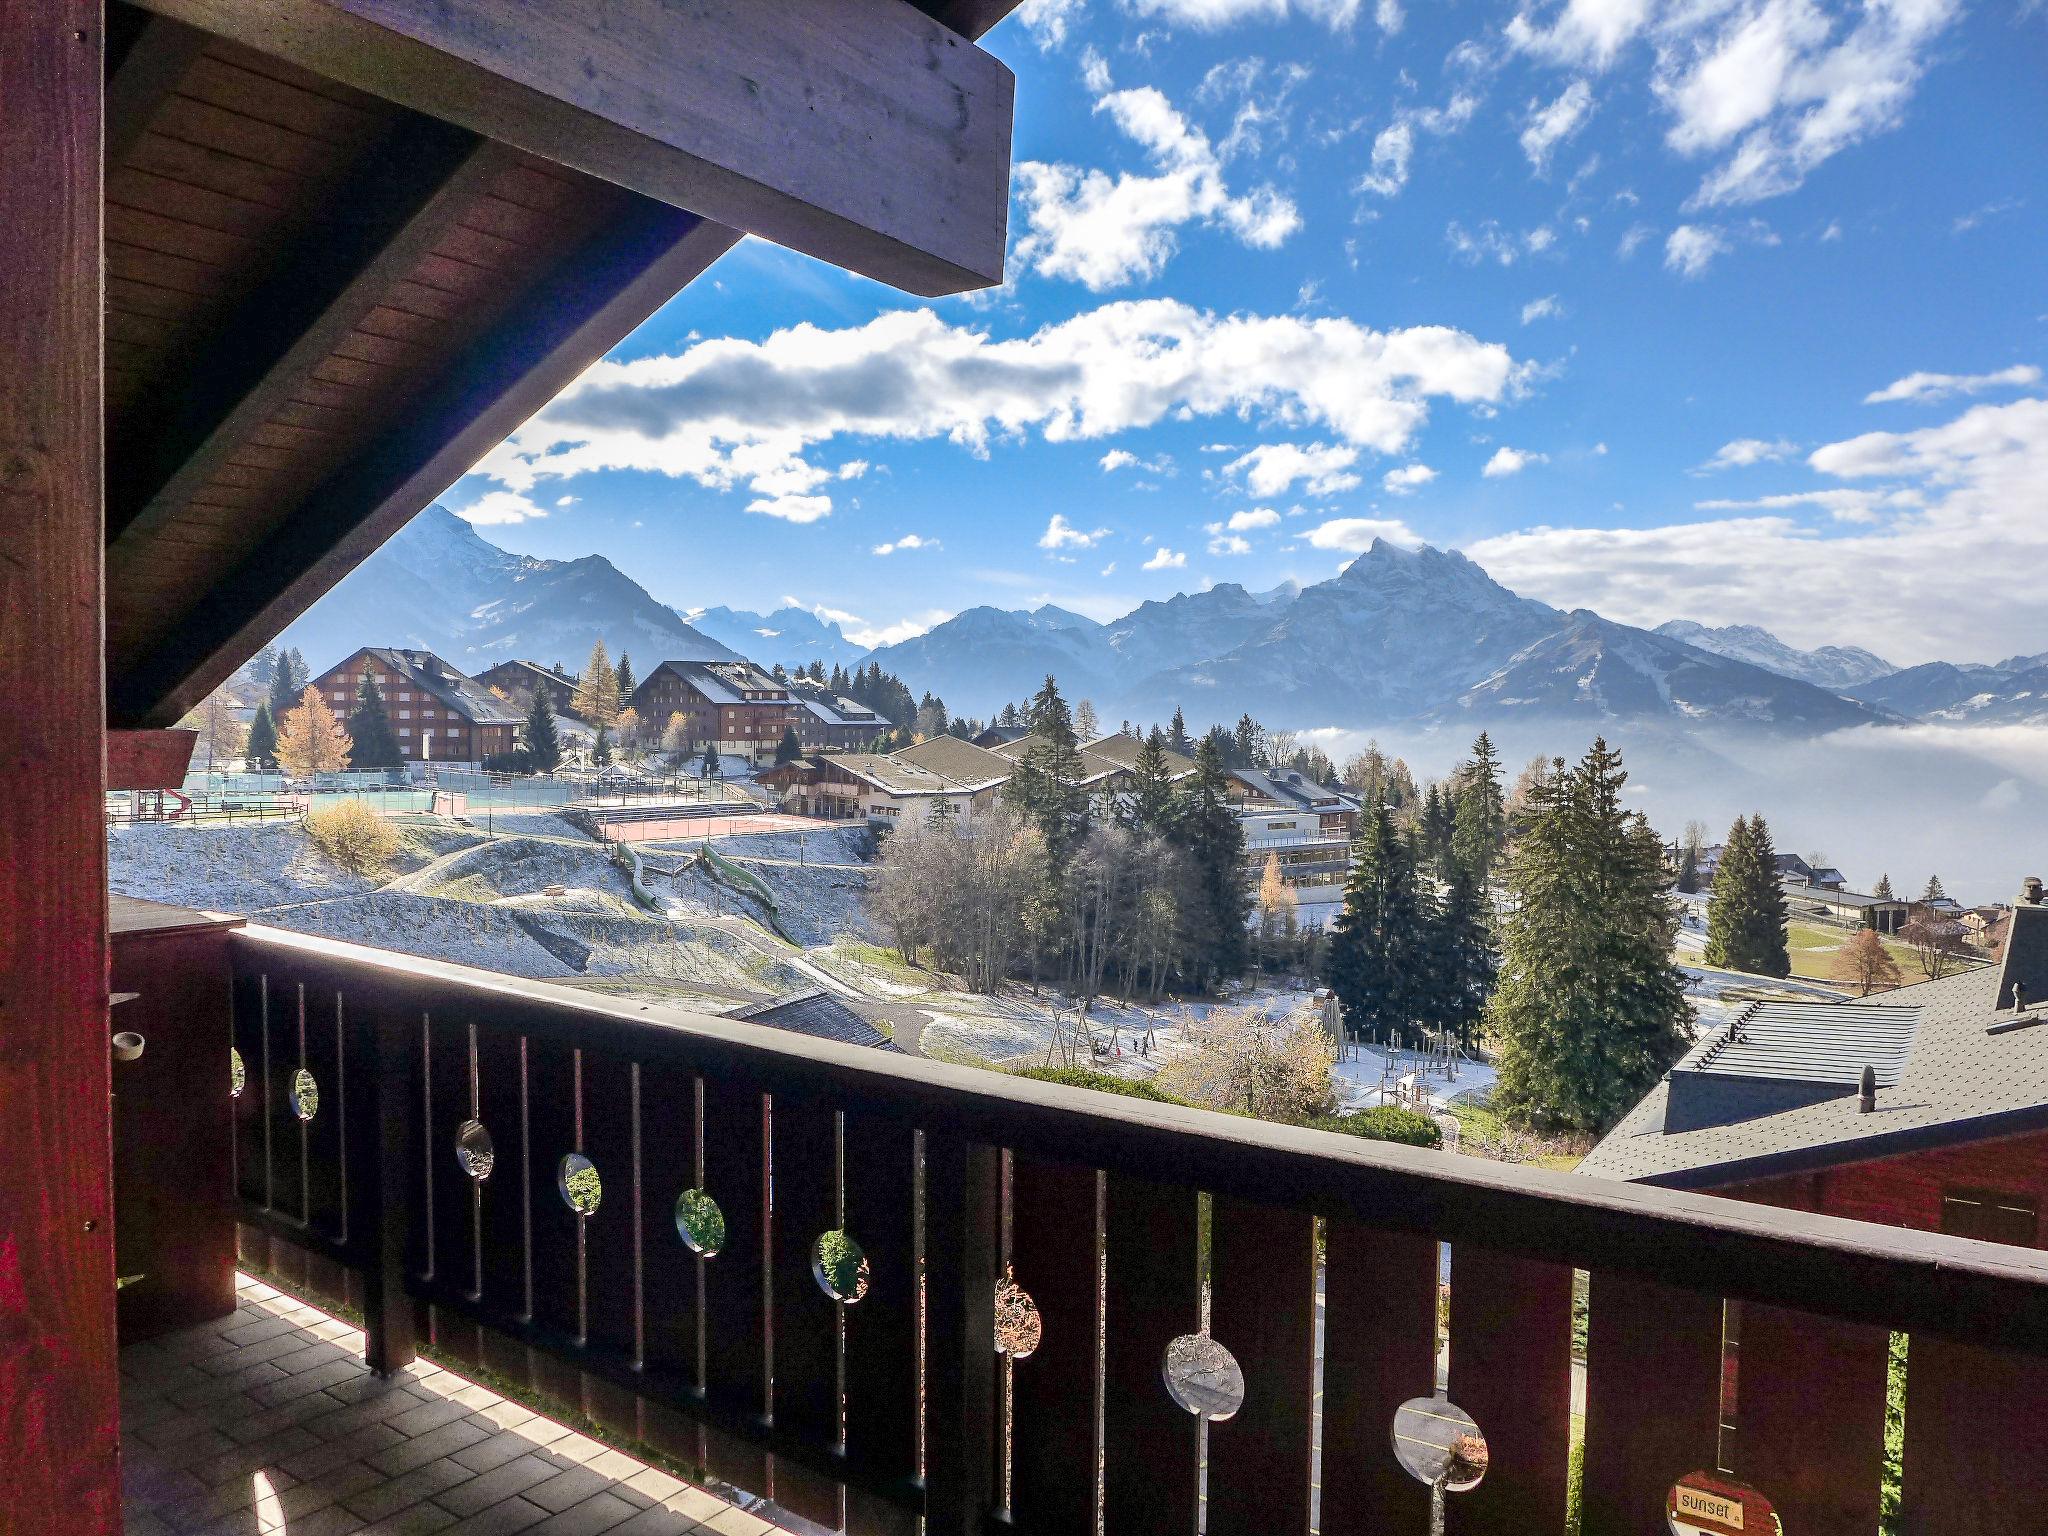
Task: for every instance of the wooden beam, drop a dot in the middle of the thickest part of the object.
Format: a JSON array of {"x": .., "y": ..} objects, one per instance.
[
  {"x": 149, "y": 759},
  {"x": 862, "y": 132},
  {"x": 59, "y": 1386},
  {"x": 411, "y": 194},
  {"x": 595, "y": 296},
  {"x": 146, "y": 58}
]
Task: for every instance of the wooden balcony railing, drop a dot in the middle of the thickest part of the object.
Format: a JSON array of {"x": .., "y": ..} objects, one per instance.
[{"x": 435, "y": 1129}]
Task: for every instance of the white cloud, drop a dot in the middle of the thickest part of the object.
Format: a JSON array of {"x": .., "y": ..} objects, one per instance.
[
  {"x": 1104, "y": 232},
  {"x": 1632, "y": 239},
  {"x": 1511, "y": 461},
  {"x": 567, "y": 501},
  {"x": 1691, "y": 249},
  {"x": 1956, "y": 504},
  {"x": 1393, "y": 149},
  {"x": 1745, "y": 451},
  {"x": 853, "y": 469},
  {"x": 1388, "y": 16},
  {"x": 1123, "y": 458},
  {"x": 1491, "y": 241},
  {"x": 1549, "y": 125},
  {"x": 1212, "y": 15},
  {"x": 1582, "y": 33},
  {"x": 1255, "y": 517},
  {"x": 1405, "y": 479},
  {"x": 1229, "y": 544},
  {"x": 793, "y": 509},
  {"x": 1049, "y": 20},
  {"x": 1545, "y": 308},
  {"x": 500, "y": 507},
  {"x": 728, "y": 412},
  {"x": 1936, "y": 386},
  {"x": 863, "y": 633},
  {"x": 908, "y": 541},
  {"x": 1355, "y": 535},
  {"x": 1840, "y": 503},
  {"x": 1968, "y": 221},
  {"x": 1061, "y": 534},
  {"x": 1270, "y": 468},
  {"x": 1164, "y": 559},
  {"x": 1109, "y": 569}
]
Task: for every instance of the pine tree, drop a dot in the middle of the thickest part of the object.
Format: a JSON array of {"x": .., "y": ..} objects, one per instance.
[
  {"x": 1150, "y": 802},
  {"x": 1746, "y": 911},
  {"x": 1216, "y": 905},
  {"x": 1376, "y": 959},
  {"x": 262, "y": 748},
  {"x": 1463, "y": 962},
  {"x": 1589, "y": 1009},
  {"x": 543, "y": 740},
  {"x": 1044, "y": 786},
  {"x": 1177, "y": 733},
  {"x": 263, "y": 666},
  {"x": 789, "y": 749},
  {"x": 1247, "y": 743},
  {"x": 1689, "y": 871},
  {"x": 601, "y": 747},
  {"x": 1439, "y": 832},
  {"x": 1884, "y": 889},
  {"x": 287, "y": 681},
  {"x": 311, "y": 740},
  {"x": 1480, "y": 813},
  {"x": 1934, "y": 892},
  {"x": 623, "y": 673},
  {"x": 711, "y": 768},
  {"x": 373, "y": 744},
  {"x": 597, "y": 690}
]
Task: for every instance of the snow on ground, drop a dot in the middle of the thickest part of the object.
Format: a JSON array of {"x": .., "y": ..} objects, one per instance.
[
  {"x": 1363, "y": 1071},
  {"x": 250, "y": 869}
]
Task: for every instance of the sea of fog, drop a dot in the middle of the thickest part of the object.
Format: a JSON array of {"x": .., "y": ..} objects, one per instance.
[{"x": 1968, "y": 803}]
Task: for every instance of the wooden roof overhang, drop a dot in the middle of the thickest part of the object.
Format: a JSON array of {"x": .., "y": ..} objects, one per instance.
[{"x": 352, "y": 244}]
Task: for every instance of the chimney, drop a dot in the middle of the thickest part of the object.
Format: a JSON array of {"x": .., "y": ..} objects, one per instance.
[
  {"x": 2024, "y": 975},
  {"x": 1866, "y": 1091}
]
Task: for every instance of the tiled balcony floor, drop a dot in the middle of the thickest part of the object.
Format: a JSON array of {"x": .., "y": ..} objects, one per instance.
[{"x": 268, "y": 1421}]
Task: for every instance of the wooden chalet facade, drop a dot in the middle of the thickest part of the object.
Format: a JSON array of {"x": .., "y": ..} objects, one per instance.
[
  {"x": 278, "y": 272},
  {"x": 519, "y": 681},
  {"x": 731, "y": 705},
  {"x": 437, "y": 714}
]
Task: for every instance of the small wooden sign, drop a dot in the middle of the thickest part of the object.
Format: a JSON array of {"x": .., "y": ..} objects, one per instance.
[{"x": 1708, "y": 1504}]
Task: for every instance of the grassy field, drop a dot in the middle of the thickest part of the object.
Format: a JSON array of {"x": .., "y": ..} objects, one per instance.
[
  {"x": 1814, "y": 945},
  {"x": 1482, "y": 1133}
]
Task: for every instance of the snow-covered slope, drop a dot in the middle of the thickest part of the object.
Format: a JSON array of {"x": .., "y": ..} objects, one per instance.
[
  {"x": 1831, "y": 666},
  {"x": 2010, "y": 692}
]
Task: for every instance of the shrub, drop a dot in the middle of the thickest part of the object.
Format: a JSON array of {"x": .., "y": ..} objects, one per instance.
[
  {"x": 1386, "y": 1122},
  {"x": 518, "y": 760},
  {"x": 1101, "y": 1082},
  {"x": 352, "y": 835}
]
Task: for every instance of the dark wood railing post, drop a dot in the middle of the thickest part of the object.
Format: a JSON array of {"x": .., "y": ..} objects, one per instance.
[
  {"x": 387, "y": 1308},
  {"x": 960, "y": 1244}
]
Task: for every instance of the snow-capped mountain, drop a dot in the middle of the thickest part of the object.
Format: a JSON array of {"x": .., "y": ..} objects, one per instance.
[
  {"x": 986, "y": 657},
  {"x": 437, "y": 585},
  {"x": 792, "y": 636},
  {"x": 2010, "y": 692},
  {"x": 1839, "y": 667}
]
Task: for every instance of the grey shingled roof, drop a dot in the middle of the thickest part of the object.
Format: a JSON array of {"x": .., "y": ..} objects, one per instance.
[
  {"x": 1809, "y": 1042},
  {"x": 1969, "y": 1075},
  {"x": 819, "y": 1015},
  {"x": 465, "y": 695}
]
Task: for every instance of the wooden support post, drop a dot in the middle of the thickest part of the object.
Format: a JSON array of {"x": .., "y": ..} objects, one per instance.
[
  {"x": 387, "y": 1306},
  {"x": 960, "y": 1285},
  {"x": 59, "y": 1385}
]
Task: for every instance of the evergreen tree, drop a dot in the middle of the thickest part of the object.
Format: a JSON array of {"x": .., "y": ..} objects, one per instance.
[
  {"x": 1215, "y": 907},
  {"x": 373, "y": 744},
  {"x": 1463, "y": 962},
  {"x": 1376, "y": 958},
  {"x": 1439, "y": 832},
  {"x": 287, "y": 681},
  {"x": 1934, "y": 892},
  {"x": 1689, "y": 871},
  {"x": 839, "y": 682},
  {"x": 1746, "y": 911},
  {"x": 1247, "y": 743},
  {"x": 623, "y": 672},
  {"x": 1150, "y": 802},
  {"x": 1177, "y": 733},
  {"x": 710, "y": 766},
  {"x": 597, "y": 690},
  {"x": 1589, "y": 1010},
  {"x": 1882, "y": 893},
  {"x": 1044, "y": 786},
  {"x": 601, "y": 747},
  {"x": 262, "y": 748},
  {"x": 1480, "y": 813},
  {"x": 263, "y": 666},
  {"x": 543, "y": 740},
  {"x": 789, "y": 749}
]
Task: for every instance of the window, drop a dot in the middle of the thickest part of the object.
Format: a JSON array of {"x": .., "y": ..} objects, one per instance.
[
  {"x": 1990, "y": 1215},
  {"x": 405, "y": 714},
  {"x": 405, "y": 730}
]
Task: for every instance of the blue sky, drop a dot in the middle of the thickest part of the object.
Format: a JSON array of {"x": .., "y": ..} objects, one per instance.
[{"x": 1730, "y": 311}]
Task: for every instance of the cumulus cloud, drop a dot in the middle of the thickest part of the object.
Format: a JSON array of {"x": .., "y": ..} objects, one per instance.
[
  {"x": 1948, "y": 505},
  {"x": 1355, "y": 535},
  {"x": 499, "y": 507},
  {"x": 1405, "y": 479},
  {"x": 1123, "y": 458},
  {"x": 1048, "y": 21},
  {"x": 1061, "y": 534},
  {"x": 1490, "y": 242},
  {"x": 1269, "y": 469},
  {"x": 1511, "y": 461},
  {"x": 1227, "y": 543},
  {"x": 1545, "y": 308},
  {"x": 1393, "y": 149},
  {"x": 1839, "y": 502},
  {"x": 1254, "y": 517},
  {"x": 1213, "y": 15},
  {"x": 1745, "y": 451},
  {"x": 870, "y": 635},
  {"x": 1691, "y": 248},
  {"x": 729, "y": 412},
  {"x": 1164, "y": 559},
  {"x": 1550, "y": 124},
  {"x": 908, "y": 541},
  {"x": 1936, "y": 386},
  {"x": 1105, "y": 231}
]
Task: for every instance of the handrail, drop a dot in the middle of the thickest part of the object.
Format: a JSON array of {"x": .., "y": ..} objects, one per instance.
[{"x": 1982, "y": 1293}]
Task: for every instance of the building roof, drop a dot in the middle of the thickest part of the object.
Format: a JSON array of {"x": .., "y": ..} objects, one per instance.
[
  {"x": 818, "y": 1014},
  {"x": 892, "y": 775},
  {"x": 1951, "y": 1067},
  {"x": 1094, "y": 768},
  {"x": 834, "y": 708},
  {"x": 1799, "y": 890},
  {"x": 429, "y": 673},
  {"x": 961, "y": 761},
  {"x": 1285, "y": 787},
  {"x": 1123, "y": 747},
  {"x": 723, "y": 682},
  {"x": 995, "y": 735},
  {"x": 539, "y": 673}
]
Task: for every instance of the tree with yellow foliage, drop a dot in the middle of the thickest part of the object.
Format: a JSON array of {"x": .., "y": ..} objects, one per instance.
[
  {"x": 597, "y": 690},
  {"x": 310, "y": 740},
  {"x": 1276, "y": 902}
]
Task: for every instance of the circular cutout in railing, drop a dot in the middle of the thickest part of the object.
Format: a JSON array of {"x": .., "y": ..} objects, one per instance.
[
  {"x": 238, "y": 1075},
  {"x": 700, "y": 1223},
  {"x": 1438, "y": 1443},
  {"x": 473, "y": 1150},
  {"x": 305, "y": 1095},
  {"x": 581, "y": 1188},
  {"x": 1203, "y": 1377},
  {"x": 1019, "y": 1328},
  {"x": 840, "y": 1266},
  {"x": 1714, "y": 1504}
]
